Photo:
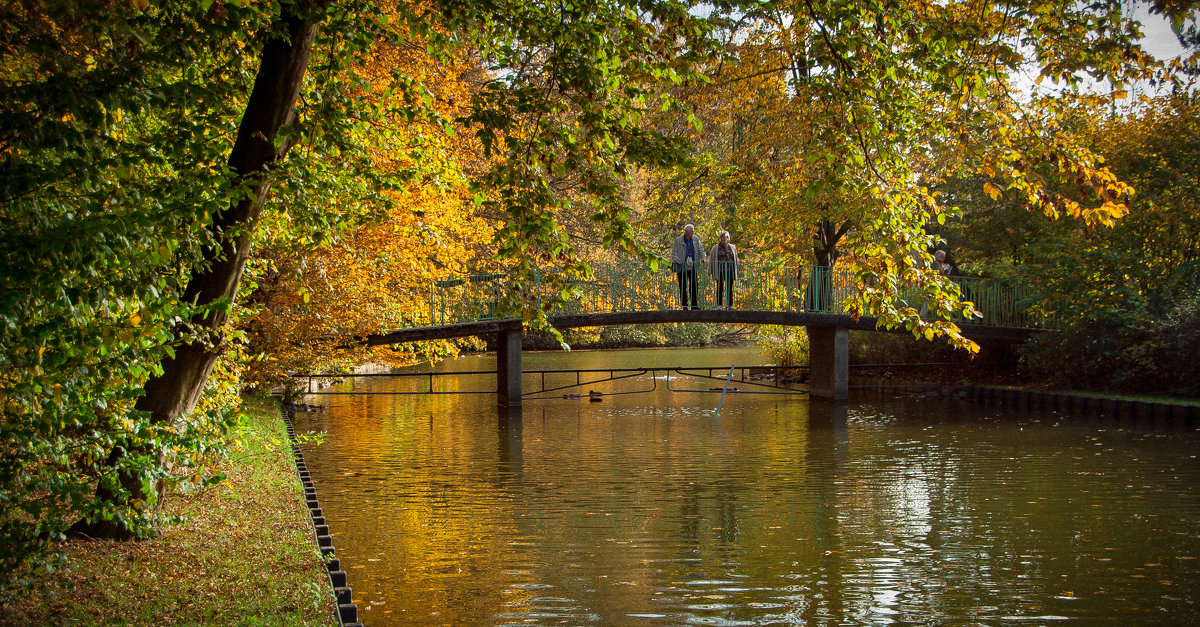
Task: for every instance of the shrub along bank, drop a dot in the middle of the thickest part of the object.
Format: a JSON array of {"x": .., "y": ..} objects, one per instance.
[{"x": 244, "y": 553}]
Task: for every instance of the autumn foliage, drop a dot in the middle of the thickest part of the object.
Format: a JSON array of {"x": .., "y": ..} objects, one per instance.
[
  {"x": 148, "y": 151},
  {"x": 377, "y": 273}
]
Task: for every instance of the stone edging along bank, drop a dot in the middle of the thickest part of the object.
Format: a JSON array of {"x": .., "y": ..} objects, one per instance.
[
  {"x": 1152, "y": 413},
  {"x": 347, "y": 611},
  {"x": 1160, "y": 414}
]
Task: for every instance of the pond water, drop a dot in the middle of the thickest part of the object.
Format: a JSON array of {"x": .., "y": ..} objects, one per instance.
[{"x": 651, "y": 509}]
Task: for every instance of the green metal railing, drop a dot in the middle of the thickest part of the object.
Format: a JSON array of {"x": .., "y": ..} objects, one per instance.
[{"x": 629, "y": 287}]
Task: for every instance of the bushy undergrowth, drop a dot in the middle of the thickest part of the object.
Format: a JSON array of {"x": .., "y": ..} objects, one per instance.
[
  {"x": 788, "y": 346},
  {"x": 691, "y": 334},
  {"x": 870, "y": 347},
  {"x": 628, "y": 336},
  {"x": 1131, "y": 350},
  {"x": 785, "y": 346}
]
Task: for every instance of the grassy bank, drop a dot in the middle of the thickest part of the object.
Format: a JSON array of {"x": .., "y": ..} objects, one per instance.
[{"x": 245, "y": 554}]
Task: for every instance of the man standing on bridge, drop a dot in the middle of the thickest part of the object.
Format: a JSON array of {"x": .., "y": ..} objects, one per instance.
[{"x": 686, "y": 256}]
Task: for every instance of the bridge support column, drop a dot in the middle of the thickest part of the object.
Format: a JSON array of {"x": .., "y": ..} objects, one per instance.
[
  {"x": 829, "y": 363},
  {"x": 508, "y": 367}
]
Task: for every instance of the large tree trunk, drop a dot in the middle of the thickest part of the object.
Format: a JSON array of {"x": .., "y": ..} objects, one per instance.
[{"x": 171, "y": 396}]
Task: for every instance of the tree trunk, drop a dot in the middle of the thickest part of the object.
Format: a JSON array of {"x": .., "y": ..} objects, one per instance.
[
  {"x": 819, "y": 289},
  {"x": 171, "y": 396},
  {"x": 826, "y": 239}
]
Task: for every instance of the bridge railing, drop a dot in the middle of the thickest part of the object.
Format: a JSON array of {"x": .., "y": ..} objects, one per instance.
[
  {"x": 628, "y": 287},
  {"x": 1001, "y": 303}
]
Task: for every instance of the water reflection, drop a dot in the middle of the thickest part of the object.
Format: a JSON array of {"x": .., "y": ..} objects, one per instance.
[
  {"x": 508, "y": 429},
  {"x": 654, "y": 510}
]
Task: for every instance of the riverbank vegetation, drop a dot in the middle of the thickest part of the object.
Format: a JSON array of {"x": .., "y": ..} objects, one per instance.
[
  {"x": 242, "y": 552},
  {"x": 198, "y": 197},
  {"x": 644, "y": 336},
  {"x": 1127, "y": 299}
]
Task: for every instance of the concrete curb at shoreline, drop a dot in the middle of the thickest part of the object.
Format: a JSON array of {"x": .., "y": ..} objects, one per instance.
[
  {"x": 1120, "y": 411},
  {"x": 347, "y": 611},
  {"x": 1160, "y": 414}
]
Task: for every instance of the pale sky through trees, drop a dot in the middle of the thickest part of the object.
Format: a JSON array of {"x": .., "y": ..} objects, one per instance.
[{"x": 1159, "y": 39}]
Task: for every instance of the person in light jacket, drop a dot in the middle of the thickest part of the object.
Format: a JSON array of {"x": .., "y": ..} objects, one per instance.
[
  {"x": 687, "y": 253},
  {"x": 723, "y": 266}
]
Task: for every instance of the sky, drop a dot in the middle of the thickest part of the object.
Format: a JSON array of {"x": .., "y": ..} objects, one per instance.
[{"x": 1159, "y": 39}]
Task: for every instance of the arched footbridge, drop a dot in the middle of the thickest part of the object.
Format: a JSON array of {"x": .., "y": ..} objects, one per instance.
[{"x": 623, "y": 294}]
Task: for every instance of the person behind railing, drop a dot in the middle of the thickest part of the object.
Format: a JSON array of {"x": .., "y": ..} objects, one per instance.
[
  {"x": 685, "y": 255},
  {"x": 939, "y": 262},
  {"x": 723, "y": 266}
]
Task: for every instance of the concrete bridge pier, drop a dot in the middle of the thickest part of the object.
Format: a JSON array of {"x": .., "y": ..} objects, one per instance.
[
  {"x": 508, "y": 366},
  {"x": 829, "y": 363}
]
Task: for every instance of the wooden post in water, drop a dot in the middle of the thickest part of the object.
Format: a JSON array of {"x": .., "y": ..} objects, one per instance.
[
  {"x": 508, "y": 366},
  {"x": 829, "y": 363}
]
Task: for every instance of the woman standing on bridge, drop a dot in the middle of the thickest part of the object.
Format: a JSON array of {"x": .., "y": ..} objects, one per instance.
[{"x": 723, "y": 266}]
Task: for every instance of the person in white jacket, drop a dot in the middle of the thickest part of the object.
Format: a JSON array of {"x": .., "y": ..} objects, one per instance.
[
  {"x": 723, "y": 267},
  {"x": 687, "y": 253}
]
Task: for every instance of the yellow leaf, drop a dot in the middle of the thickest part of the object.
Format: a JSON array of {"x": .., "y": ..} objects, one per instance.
[{"x": 992, "y": 191}]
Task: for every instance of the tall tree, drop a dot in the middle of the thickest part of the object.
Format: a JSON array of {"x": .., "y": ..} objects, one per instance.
[
  {"x": 860, "y": 107},
  {"x": 109, "y": 338},
  {"x": 107, "y": 184},
  {"x": 172, "y": 392},
  {"x": 1123, "y": 298}
]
